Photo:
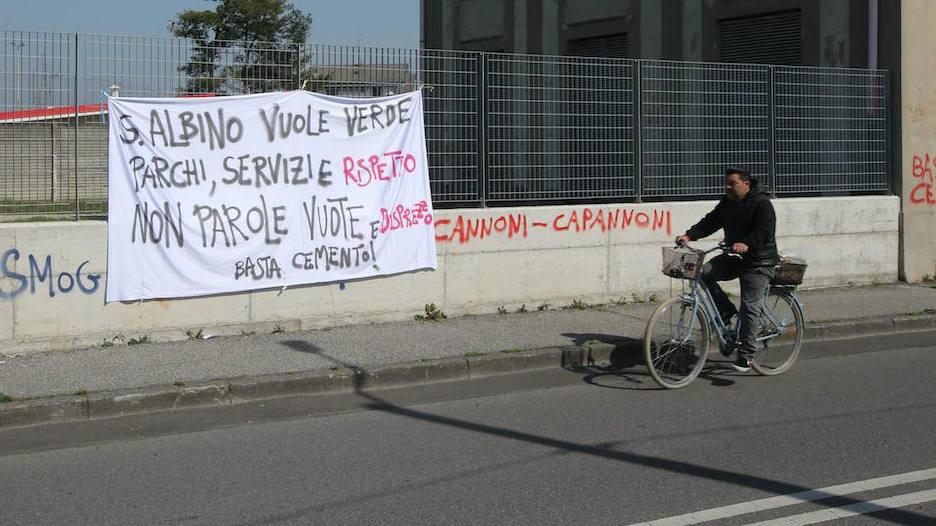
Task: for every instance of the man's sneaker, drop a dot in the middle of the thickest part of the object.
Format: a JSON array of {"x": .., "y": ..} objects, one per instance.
[{"x": 742, "y": 364}]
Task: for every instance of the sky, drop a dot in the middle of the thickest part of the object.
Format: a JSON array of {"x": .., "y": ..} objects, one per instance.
[{"x": 380, "y": 23}]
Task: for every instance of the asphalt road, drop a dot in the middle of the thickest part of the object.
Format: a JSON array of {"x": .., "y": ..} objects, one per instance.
[{"x": 583, "y": 447}]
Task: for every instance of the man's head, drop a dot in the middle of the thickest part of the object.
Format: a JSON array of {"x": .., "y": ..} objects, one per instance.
[{"x": 738, "y": 183}]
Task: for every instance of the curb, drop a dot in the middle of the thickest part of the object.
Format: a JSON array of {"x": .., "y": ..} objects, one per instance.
[{"x": 219, "y": 393}]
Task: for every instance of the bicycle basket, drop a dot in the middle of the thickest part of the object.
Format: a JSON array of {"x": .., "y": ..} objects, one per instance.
[
  {"x": 683, "y": 263},
  {"x": 789, "y": 271}
]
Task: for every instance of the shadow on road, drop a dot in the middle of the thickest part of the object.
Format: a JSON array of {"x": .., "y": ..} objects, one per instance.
[
  {"x": 626, "y": 367},
  {"x": 605, "y": 451}
]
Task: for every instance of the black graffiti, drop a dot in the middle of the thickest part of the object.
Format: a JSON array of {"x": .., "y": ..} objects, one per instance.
[
  {"x": 333, "y": 218},
  {"x": 327, "y": 257},
  {"x": 234, "y": 225},
  {"x": 155, "y": 226},
  {"x": 265, "y": 267},
  {"x": 267, "y": 170},
  {"x": 374, "y": 116},
  {"x": 160, "y": 173},
  {"x": 126, "y": 124},
  {"x": 215, "y": 130},
  {"x": 284, "y": 124}
]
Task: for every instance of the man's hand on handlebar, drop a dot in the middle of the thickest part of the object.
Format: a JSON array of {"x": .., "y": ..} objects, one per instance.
[
  {"x": 739, "y": 248},
  {"x": 682, "y": 240}
]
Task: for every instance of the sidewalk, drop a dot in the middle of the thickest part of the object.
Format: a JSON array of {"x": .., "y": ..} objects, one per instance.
[{"x": 111, "y": 381}]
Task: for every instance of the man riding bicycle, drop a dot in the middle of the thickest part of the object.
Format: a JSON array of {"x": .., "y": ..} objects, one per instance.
[{"x": 747, "y": 217}]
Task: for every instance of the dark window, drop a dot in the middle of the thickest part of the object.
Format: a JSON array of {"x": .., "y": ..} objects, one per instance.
[
  {"x": 612, "y": 46},
  {"x": 763, "y": 39}
]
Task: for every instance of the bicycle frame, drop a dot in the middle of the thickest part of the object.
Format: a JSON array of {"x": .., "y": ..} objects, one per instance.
[{"x": 700, "y": 297}]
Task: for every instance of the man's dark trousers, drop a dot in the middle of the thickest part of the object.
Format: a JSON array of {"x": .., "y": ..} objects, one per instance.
[{"x": 754, "y": 281}]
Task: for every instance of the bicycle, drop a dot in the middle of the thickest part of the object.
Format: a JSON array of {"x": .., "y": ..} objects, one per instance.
[{"x": 678, "y": 334}]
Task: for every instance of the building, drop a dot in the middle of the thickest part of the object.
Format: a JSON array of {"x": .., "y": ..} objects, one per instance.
[{"x": 851, "y": 33}]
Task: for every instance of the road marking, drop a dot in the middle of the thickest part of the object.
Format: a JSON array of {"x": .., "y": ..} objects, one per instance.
[
  {"x": 770, "y": 503},
  {"x": 860, "y": 508}
]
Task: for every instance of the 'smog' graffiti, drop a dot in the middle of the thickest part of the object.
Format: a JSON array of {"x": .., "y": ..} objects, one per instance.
[
  {"x": 922, "y": 192},
  {"x": 63, "y": 283},
  {"x": 584, "y": 220}
]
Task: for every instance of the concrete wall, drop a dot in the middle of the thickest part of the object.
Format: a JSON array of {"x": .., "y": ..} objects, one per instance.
[
  {"x": 918, "y": 118},
  {"x": 50, "y": 297}
]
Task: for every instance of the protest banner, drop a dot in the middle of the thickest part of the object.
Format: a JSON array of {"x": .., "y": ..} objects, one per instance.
[{"x": 228, "y": 194}]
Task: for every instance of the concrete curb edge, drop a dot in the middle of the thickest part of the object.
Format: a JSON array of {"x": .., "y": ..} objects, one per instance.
[{"x": 227, "y": 392}]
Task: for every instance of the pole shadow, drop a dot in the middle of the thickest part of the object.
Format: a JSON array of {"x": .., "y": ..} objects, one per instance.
[{"x": 604, "y": 451}]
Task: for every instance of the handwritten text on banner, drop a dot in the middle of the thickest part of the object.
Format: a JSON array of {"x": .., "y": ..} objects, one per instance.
[{"x": 214, "y": 195}]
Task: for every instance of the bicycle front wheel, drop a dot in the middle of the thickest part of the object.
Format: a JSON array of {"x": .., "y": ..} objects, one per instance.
[
  {"x": 676, "y": 343},
  {"x": 781, "y": 334}
]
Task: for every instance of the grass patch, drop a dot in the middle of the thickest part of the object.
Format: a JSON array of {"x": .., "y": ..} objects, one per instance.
[
  {"x": 194, "y": 335},
  {"x": 20, "y": 212},
  {"x": 511, "y": 351},
  {"x": 4, "y": 398},
  {"x": 278, "y": 329},
  {"x": 521, "y": 309},
  {"x": 139, "y": 340},
  {"x": 474, "y": 354},
  {"x": 502, "y": 310},
  {"x": 578, "y": 304},
  {"x": 178, "y": 383},
  {"x": 542, "y": 307},
  {"x": 432, "y": 313},
  {"x": 81, "y": 392}
]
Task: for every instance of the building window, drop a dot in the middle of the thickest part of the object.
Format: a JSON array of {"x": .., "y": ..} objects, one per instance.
[
  {"x": 613, "y": 46},
  {"x": 774, "y": 38}
]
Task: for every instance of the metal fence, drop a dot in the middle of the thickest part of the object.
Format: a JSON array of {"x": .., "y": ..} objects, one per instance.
[{"x": 500, "y": 128}]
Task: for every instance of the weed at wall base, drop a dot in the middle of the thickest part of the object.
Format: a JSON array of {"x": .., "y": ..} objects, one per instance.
[{"x": 432, "y": 313}]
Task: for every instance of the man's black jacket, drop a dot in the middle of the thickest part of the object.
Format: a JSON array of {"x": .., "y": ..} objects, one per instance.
[{"x": 750, "y": 221}]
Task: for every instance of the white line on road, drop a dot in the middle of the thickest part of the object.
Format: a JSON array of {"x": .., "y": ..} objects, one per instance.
[
  {"x": 792, "y": 499},
  {"x": 860, "y": 508}
]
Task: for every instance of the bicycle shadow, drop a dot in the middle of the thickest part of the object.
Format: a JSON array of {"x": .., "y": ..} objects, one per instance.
[
  {"x": 602, "y": 451},
  {"x": 626, "y": 368}
]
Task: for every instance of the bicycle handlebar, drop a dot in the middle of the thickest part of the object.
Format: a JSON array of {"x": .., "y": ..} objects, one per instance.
[{"x": 724, "y": 247}]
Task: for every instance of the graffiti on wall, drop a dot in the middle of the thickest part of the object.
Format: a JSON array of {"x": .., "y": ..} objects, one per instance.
[
  {"x": 42, "y": 277},
  {"x": 922, "y": 192},
  {"x": 518, "y": 225}
]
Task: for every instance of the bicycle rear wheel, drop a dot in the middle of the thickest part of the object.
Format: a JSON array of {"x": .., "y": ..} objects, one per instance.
[
  {"x": 783, "y": 331},
  {"x": 676, "y": 343}
]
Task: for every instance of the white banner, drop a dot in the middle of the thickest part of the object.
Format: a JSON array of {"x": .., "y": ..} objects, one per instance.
[{"x": 226, "y": 194}]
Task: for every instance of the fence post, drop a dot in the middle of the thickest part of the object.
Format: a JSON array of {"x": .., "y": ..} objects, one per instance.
[
  {"x": 482, "y": 129},
  {"x": 892, "y": 164},
  {"x": 298, "y": 65},
  {"x": 638, "y": 135},
  {"x": 77, "y": 69},
  {"x": 771, "y": 132}
]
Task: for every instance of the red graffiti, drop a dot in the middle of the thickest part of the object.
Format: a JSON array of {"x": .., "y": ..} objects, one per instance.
[
  {"x": 366, "y": 170},
  {"x": 923, "y": 193},
  {"x": 479, "y": 228},
  {"x": 613, "y": 219},
  {"x": 582, "y": 220},
  {"x": 402, "y": 217}
]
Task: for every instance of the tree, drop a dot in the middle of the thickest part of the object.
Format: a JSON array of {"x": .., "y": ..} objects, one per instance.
[{"x": 243, "y": 46}]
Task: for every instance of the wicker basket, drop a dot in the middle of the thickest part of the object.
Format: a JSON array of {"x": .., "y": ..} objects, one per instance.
[
  {"x": 683, "y": 263},
  {"x": 789, "y": 271}
]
